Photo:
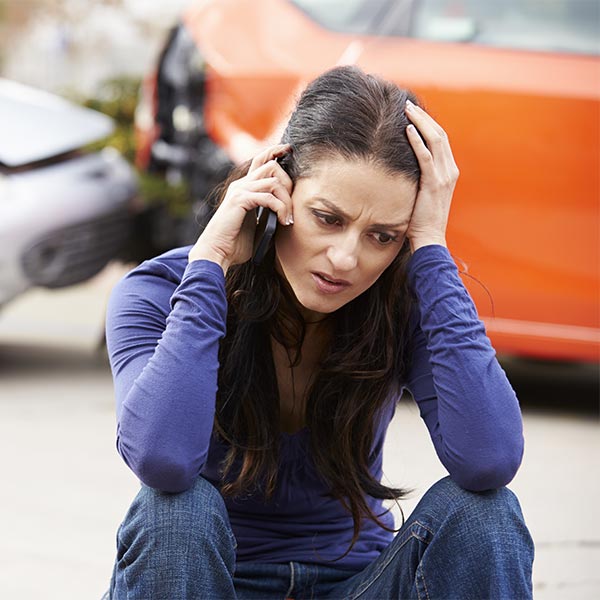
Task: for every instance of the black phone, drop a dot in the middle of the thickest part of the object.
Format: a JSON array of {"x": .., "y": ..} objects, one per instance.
[{"x": 266, "y": 223}]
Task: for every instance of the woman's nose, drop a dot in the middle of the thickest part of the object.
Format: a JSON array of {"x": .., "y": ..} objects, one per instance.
[{"x": 343, "y": 255}]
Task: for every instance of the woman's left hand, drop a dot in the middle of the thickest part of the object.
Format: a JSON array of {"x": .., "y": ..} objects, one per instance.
[{"x": 438, "y": 178}]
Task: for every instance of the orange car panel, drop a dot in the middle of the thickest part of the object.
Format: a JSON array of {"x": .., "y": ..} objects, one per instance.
[{"x": 525, "y": 130}]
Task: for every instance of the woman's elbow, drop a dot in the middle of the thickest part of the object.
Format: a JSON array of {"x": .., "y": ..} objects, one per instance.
[
  {"x": 489, "y": 474},
  {"x": 163, "y": 473}
]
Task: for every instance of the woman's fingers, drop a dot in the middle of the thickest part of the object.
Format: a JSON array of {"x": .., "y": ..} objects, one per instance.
[
  {"x": 271, "y": 186},
  {"x": 433, "y": 134},
  {"x": 271, "y": 169},
  {"x": 268, "y": 200},
  {"x": 432, "y": 147},
  {"x": 228, "y": 237},
  {"x": 270, "y": 153},
  {"x": 428, "y": 127},
  {"x": 423, "y": 154},
  {"x": 438, "y": 177},
  {"x": 266, "y": 174}
]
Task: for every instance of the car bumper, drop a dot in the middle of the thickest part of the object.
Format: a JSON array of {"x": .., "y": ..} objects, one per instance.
[{"x": 60, "y": 224}]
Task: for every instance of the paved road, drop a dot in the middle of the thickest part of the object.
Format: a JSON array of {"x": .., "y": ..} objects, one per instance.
[{"x": 65, "y": 489}]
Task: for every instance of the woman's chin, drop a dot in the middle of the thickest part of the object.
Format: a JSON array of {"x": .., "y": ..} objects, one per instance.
[{"x": 315, "y": 310}]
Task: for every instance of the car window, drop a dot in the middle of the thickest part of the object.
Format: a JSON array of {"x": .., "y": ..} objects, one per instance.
[
  {"x": 361, "y": 17},
  {"x": 546, "y": 25}
]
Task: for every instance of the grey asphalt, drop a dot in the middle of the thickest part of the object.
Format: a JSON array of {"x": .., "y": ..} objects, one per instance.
[{"x": 65, "y": 489}]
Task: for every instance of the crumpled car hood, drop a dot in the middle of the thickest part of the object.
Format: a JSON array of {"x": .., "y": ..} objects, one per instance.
[{"x": 37, "y": 125}]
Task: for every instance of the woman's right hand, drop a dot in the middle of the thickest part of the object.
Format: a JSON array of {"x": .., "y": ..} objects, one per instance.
[{"x": 229, "y": 236}]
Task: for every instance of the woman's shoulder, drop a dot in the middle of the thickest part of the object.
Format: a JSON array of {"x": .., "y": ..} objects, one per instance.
[
  {"x": 153, "y": 280},
  {"x": 169, "y": 266}
]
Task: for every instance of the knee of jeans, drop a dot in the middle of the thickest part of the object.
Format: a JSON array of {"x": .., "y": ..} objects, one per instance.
[
  {"x": 490, "y": 513},
  {"x": 200, "y": 508}
]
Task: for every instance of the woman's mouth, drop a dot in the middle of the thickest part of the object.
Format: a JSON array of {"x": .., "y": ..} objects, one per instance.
[{"x": 329, "y": 285}]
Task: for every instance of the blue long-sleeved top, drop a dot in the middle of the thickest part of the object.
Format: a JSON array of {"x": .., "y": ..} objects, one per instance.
[{"x": 164, "y": 323}]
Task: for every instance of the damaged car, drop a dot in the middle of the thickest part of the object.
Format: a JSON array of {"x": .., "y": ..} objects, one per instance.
[
  {"x": 515, "y": 84},
  {"x": 65, "y": 210}
]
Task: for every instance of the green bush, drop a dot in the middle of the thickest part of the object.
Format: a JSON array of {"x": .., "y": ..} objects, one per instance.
[{"x": 118, "y": 99}]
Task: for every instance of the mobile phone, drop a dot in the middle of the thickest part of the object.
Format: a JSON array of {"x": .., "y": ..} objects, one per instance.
[{"x": 266, "y": 223}]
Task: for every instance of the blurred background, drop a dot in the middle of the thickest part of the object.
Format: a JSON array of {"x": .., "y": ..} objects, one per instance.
[{"x": 118, "y": 117}]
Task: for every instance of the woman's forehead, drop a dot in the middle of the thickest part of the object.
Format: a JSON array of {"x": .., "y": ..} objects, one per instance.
[{"x": 359, "y": 188}]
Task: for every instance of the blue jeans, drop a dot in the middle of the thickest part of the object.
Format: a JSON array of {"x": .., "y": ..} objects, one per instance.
[{"x": 455, "y": 544}]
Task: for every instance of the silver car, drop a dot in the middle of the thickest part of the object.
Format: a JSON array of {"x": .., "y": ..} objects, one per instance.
[{"x": 64, "y": 211}]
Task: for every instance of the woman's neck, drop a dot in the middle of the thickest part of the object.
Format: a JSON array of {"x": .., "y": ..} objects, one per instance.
[{"x": 296, "y": 373}]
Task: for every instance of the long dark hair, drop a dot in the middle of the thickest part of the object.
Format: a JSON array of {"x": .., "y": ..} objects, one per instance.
[{"x": 346, "y": 113}]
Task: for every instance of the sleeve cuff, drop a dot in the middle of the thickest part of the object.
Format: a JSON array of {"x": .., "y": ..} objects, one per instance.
[
  {"x": 203, "y": 267},
  {"x": 426, "y": 255}
]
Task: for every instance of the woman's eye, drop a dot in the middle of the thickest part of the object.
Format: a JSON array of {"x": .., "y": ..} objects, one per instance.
[
  {"x": 385, "y": 238},
  {"x": 326, "y": 219}
]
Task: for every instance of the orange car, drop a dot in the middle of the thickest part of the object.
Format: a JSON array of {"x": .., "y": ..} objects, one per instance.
[{"x": 516, "y": 84}]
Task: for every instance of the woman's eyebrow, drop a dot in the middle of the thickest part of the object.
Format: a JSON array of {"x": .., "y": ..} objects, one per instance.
[{"x": 336, "y": 209}]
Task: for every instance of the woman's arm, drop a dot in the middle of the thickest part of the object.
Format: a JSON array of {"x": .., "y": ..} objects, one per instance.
[
  {"x": 164, "y": 324},
  {"x": 464, "y": 397},
  {"x": 163, "y": 341}
]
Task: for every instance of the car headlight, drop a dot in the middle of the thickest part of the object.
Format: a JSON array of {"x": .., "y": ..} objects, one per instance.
[{"x": 184, "y": 119}]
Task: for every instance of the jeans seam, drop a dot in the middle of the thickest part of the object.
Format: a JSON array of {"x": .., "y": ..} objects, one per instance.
[
  {"x": 218, "y": 516},
  {"x": 291, "y": 588},
  {"x": 453, "y": 506},
  {"x": 422, "y": 576},
  {"x": 409, "y": 534},
  {"x": 419, "y": 571},
  {"x": 315, "y": 580},
  {"x": 125, "y": 567}
]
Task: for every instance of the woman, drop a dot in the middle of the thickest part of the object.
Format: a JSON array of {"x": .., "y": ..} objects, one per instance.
[{"x": 253, "y": 399}]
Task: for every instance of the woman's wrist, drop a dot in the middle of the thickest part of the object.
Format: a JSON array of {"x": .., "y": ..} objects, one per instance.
[
  {"x": 416, "y": 243},
  {"x": 210, "y": 255}
]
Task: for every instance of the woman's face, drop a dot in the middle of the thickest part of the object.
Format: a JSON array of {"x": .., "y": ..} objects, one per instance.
[{"x": 350, "y": 220}]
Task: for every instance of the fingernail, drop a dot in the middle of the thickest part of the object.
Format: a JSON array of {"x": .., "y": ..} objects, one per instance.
[
  {"x": 290, "y": 220},
  {"x": 409, "y": 104},
  {"x": 411, "y": 128}
]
